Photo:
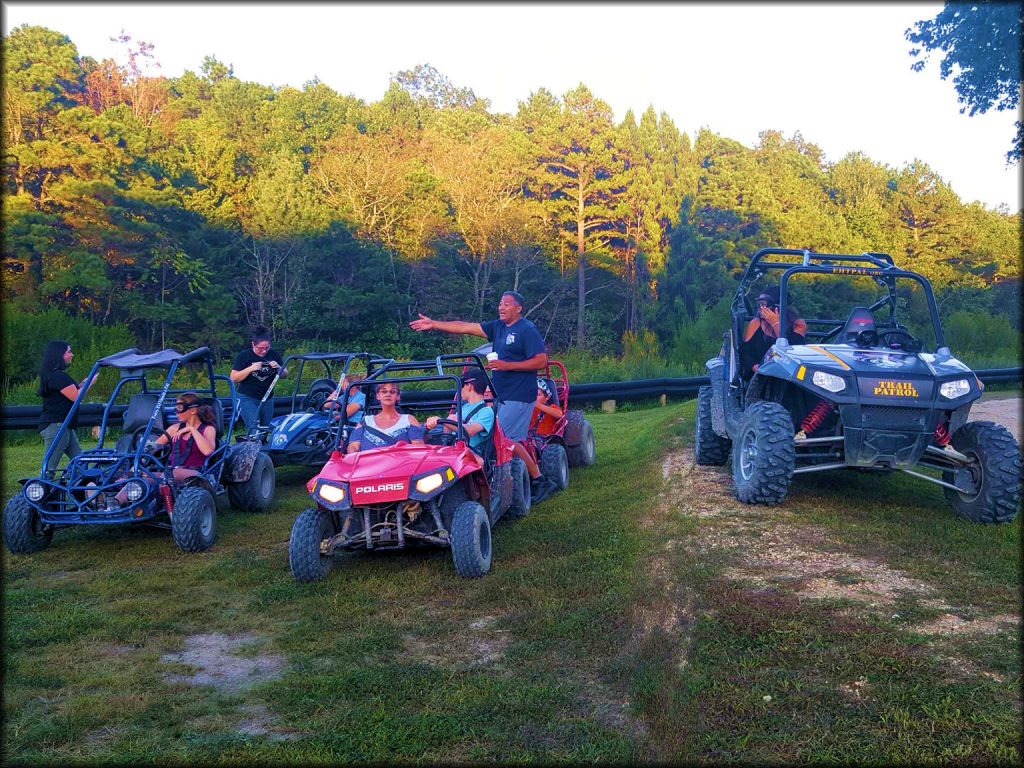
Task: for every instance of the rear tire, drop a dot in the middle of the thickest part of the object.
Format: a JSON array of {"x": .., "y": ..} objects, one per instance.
[
  {"x": 471, "y": 540},
  {"x": 310, "y": 528},
  {"x": 764, "y": 455},
  {"x": 583, "y": 452},
  {"x": 521, "y": 497},
  {"x": 257, "y": 493},
  {"x": 23, "y": 532},
  {"x": 194, "y": 522},
  {"x": 554, "y": 463},
  {"x": 996, "y": 469},
  {"x": 711, "y": 449}
]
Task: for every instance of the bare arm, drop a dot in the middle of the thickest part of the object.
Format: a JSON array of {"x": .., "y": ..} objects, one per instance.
[
  {"x": 424, "y": 323},
  {"x": 534, "y": 363}
]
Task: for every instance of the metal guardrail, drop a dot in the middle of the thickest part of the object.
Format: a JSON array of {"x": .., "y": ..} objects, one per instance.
[{"x": 90, "y": 414}]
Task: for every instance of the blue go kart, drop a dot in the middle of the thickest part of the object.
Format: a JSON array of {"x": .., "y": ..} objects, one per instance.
[{"x": 126, "y": 458}]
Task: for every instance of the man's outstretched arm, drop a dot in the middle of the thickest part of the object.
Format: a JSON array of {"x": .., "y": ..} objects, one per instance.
[{"x": 424, "y": 323}]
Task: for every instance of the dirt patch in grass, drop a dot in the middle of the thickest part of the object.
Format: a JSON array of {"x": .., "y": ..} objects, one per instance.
[
  {"x": 764, "y": 550},
  {"x": 228, "y": 664},
  {"x": 951, "y": 624},
  {"x": 216, "y": 658},
  {"x": 481, "y": 644}
]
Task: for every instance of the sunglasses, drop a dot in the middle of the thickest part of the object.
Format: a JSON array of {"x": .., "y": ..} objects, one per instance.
[
  {"x": 180, "y": 408},
  {"x": 387, "y": 391}
]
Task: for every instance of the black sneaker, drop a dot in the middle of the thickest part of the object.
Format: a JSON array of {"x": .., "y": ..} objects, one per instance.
[{"x": 540, "y": 489}]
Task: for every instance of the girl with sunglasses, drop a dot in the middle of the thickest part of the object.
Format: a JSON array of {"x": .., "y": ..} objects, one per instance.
[{"x": 192, "y": 439}]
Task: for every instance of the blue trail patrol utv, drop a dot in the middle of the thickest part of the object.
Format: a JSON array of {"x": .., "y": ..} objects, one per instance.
[{"x": 870, "y": 385}]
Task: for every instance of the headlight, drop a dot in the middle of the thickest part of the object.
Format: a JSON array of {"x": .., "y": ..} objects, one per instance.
[
  {"x": 429, "y": 483},
  {"x": 35, "y": 491},
  {"x": 134, "y": 490},
  {"x": 280, "y": 440},
  {"x": 954, "y": 389},
  {"x": 332, "y": 494},
  {"x": 828, "y": 381}
]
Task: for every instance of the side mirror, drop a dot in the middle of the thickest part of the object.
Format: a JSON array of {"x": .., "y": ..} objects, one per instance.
[{"x": 942, "y": 354}]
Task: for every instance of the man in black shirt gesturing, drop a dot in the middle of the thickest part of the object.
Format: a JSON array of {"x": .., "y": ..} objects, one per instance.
[{"x": 521, "y": 353}]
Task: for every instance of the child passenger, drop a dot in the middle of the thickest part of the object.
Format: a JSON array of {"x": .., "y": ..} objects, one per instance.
[{"x": 477, "y": 416}]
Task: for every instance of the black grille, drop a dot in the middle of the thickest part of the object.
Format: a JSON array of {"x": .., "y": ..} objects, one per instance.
[{"x": 888, "y": 417}]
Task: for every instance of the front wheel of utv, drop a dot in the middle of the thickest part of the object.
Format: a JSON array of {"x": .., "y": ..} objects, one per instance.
[
  {"x": 763, "y": 456},
  {"x": 711, "y": 449},
  {"x": 310, "y": 528},
  {"x": 257, "y": 493},
  {"x": 194, "y": 522},
  {"x": 23, "y": 532},
  {"x": 995, "y": 468},
  {"x": 471, "y": 540}
]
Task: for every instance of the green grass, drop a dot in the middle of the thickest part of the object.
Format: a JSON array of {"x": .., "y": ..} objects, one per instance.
[{"x": 394, "y": 658}]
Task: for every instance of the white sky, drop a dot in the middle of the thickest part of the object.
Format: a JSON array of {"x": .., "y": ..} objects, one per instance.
[{"x": 837, "y": 72}]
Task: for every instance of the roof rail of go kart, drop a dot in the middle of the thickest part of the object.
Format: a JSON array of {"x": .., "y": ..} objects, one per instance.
[{"x": 132, "y": 364}]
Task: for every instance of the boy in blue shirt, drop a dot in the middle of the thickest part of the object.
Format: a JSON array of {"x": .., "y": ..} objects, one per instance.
[{"x": 477, "y": 416}]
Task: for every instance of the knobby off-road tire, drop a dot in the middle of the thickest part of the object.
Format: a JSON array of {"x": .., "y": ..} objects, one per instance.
[
  {"x": 554, "y": 463},
  {"x": 471, "y": 540},
  {"x": 711, "y": 449},
  {"x": 450, "y": 501},
  {"x": 582, "y": 454},
  {"x": 23, "y": 533},
  {"x": 194, "y": 522},
  {"x": 763, "y": 456},
  {"x": 996, "y": 470},
  {"x": 257, "y": 493},
  {"x": 521, "y": 497},
  {"x": 310, "y": 528}
]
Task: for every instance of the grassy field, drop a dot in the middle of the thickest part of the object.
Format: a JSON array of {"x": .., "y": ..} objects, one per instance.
[{"x": 643, "y": 615}]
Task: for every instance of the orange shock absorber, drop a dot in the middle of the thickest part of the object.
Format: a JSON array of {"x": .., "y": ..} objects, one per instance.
[
  {"x": 941, "y": 436},
  {"x": 817, "y": 415},
  {"x": 165, "y": 492}
]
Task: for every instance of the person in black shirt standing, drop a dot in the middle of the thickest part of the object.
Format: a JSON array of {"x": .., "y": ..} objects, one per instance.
[
  {"x": 521, "y": 353},
  {"x": 253, "y": 370},
  {"x": 59, "y": 392}
]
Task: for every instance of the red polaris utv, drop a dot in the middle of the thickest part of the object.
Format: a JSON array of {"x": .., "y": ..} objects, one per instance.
[
  {"x": 557, "y": 444},
  {"x": 440, "y": 493}
]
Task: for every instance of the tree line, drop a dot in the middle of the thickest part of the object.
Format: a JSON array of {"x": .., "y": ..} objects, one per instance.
[{"x": 186, "y": 209}]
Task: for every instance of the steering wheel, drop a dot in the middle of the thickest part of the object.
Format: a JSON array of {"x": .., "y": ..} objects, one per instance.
[
  {"x": 866, "y": 338},
  {"x": 897, "y": 332},
  {"x": 332, "y": 407},
  {"x": 159, "y": 451},
  {"x": 442, "y": 436}
]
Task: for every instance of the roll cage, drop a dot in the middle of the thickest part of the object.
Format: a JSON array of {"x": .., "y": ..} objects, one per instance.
[
  {"x": 878, "y": 266},
  {"x": 133, "y": 366},
  {"x": 432, "y": 399},
  {"x": 328, "y": 361}
]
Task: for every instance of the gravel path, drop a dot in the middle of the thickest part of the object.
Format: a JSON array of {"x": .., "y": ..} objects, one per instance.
[{"x": 1005, "y": 411}]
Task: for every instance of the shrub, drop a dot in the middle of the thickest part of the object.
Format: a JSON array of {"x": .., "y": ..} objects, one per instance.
[
  {"x": 25, "y": 335},
  {"x": 982, "y": 340}
]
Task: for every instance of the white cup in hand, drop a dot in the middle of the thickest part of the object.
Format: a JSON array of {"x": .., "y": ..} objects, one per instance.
[{"x": 492, "y": 356}]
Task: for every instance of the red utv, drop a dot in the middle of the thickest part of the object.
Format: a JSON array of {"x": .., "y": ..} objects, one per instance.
[
  {"x": 437, "y": 494},
  {"x": 557, "y": 444}
]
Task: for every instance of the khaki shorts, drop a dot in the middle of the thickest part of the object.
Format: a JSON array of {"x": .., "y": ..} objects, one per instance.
[{"x": 514, "y": 418}]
